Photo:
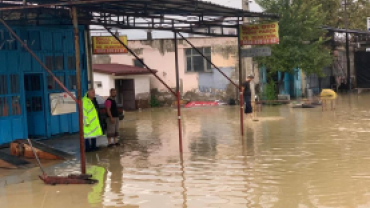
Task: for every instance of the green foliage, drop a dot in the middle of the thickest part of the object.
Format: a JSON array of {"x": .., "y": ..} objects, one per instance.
[
  {"x": 335, "y": 16},
  {"x": 269, "y": 91},
  {"x": 154, "y": 103},
  {"x": 302, "y": 42}
]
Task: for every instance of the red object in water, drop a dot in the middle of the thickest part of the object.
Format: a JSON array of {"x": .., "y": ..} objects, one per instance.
[{"x": 201, "y": 104}]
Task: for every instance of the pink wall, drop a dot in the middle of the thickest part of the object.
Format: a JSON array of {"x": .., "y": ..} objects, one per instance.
[{"x": 160, "y": 55}]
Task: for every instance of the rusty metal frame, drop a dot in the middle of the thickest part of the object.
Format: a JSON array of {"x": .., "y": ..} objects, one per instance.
[
  {"x": 169, "y": 15},
  {"x": 126, "y": 15}
]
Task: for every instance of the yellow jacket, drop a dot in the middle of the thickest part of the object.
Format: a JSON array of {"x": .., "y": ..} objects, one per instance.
[{"x": 92, "y": 128}]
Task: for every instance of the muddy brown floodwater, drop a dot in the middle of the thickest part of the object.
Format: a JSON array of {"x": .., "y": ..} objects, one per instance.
[{"x": 291, "y": 158}]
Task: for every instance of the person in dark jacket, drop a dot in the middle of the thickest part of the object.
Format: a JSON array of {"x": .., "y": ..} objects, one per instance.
[
  {"x": 112, "y": 119},
  {"x": 247, "y": 96}
]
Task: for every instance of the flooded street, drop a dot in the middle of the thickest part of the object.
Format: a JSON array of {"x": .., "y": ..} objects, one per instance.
[{"x": 291, "y": 158}]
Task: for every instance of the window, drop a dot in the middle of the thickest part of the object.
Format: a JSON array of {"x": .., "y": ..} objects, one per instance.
[
  {"x": 53, "y": 85},
  {"x": 14, "y": 84},
  {"x": 49, "y": 62},
  {"x": 59, "y": 63},
  {"x": 232, "y": 32},
  {"x": 10, "y": 100},
  {"x": 137, "y": 63},
  {"x": 4, "y": 107},
  {"x": 36, "y": 104},
  {"x": 3, "y": 85},
  {"x": 98, "y": 84},
  {"x": 195, "y": 62},
  {"x": 34, "y": 40},
  {"x": 7, "y": 41},
  {"x": 72, "y": 82},
  {"x": 16, "y": 105},
  {"x": 71, "y": 63}
]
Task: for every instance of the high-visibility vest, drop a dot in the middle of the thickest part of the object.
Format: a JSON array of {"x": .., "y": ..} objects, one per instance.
[{"x": 91, "y": 121}]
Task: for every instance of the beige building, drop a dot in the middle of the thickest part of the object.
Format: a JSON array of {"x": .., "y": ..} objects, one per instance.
[{"x": 196, "y": 75}]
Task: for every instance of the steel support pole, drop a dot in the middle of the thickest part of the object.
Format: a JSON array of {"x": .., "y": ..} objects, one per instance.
[
  {"x": 178, "y": 91},
  {"x": 79, "y": 88},
  {"x": 241, "y": 102}
]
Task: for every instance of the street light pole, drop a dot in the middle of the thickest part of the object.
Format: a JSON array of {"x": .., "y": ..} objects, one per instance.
[{"x": 347, "y": 48}]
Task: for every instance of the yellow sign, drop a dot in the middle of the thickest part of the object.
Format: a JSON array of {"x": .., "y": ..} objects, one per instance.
[
  {"x": 108, "y": 45},
  {"x": 261, "y": 34}
]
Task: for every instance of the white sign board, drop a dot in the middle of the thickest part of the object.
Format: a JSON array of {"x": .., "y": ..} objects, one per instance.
[
  {"x": 367, "y": 49},
  {"x": 256, "y": 52},
  {"x": 368, "y": 24},
  {"x": 62, "y": 103}
]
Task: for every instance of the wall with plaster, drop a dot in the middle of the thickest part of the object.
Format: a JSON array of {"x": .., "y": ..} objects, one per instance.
[{"x": 160, "y": 55}]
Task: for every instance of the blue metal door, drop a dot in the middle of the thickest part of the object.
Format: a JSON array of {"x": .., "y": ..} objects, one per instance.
[{"x": 35, "y": 104}]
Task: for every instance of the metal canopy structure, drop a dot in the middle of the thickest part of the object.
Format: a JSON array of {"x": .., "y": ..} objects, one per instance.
[
  {"x": 359, "y": 36},
  {"x": 187, "y": 16}
]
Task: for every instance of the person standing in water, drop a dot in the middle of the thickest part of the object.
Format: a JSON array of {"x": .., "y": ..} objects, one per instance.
[
  {"x": 92, "y": 128},
  {"x": 247, "y": 96},
  {"x": 113, "y": 118}
]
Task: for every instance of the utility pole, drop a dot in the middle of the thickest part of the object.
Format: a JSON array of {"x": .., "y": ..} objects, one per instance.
[
  {"x": 347, "y": 47},
  {"x": 246, "y": 62}
]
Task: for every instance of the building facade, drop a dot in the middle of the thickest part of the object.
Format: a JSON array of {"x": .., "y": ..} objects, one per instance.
[
  {"x": 25, "y": 87},
  {"x": 132, "y": 84},
  {"x": 196, "y": 75}
]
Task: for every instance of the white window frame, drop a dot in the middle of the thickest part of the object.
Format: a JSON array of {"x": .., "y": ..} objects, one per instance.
[{"x": 194, "y": 53}]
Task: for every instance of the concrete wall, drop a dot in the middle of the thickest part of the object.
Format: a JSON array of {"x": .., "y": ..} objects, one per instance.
[
  {"x": 209, "y": 82},
  {"x": 107, "y": 82},
  {"x": 159, "y": 55}
]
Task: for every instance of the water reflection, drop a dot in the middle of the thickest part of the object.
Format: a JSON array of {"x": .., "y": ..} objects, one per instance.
[{"x": 290, "y": 158}]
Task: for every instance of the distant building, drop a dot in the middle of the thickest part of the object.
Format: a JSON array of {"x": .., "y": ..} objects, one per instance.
[
  {"x": 197, "y": 77},
  {"x": 132, "y": 84}
]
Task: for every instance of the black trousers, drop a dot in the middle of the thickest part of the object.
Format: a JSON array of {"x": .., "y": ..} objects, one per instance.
[
  {"x": 90, "y": 144},
  {"x": 248, "y": 105}
]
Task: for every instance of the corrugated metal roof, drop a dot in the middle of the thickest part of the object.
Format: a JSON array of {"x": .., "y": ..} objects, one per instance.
[
  {"x": 153, "y": 7},
  {"x": 119, "y": 69}
]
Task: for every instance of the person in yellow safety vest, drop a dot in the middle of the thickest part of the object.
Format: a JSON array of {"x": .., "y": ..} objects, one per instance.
[{"x": 92, "y": 128}]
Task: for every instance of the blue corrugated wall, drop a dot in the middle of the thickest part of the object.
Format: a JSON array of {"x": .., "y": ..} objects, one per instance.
[{"x": 55, "y": 47}]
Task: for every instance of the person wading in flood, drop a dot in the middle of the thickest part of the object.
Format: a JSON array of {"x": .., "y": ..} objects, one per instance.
[
  {"x": 92, "y": 128},
  {"x": 113, "y": 118},
  {"x": 247, "y": 96}
]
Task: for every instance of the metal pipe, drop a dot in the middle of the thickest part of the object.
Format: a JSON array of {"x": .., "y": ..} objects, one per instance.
[
  {"x": 178, "y": 91},
  {"x": 89, "y": 57},
  {"x": 142, "y": 62},
  {"x": 209, "y": 61},
  {"x": 38, "y": 60},
  {"x": 37, "y": 158},
  {"x": 241, "y": 102},
  {"x": 79, "y": 89}
]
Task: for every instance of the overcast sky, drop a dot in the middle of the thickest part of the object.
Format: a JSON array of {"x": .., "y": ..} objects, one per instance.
[{"x": 141, "y": 34}]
